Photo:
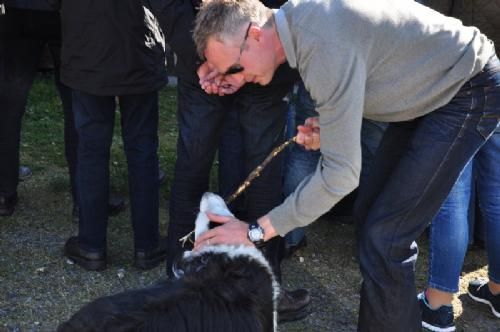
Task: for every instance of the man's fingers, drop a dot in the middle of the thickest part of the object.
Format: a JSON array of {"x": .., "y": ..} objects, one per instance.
[
  {"x": 308, "y": 137},
  {"x": 207, "y": 238}
]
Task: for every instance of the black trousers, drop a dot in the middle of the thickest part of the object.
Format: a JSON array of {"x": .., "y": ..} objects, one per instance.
[
  {"x": 262, "y": 117},
  {"x": 24, "y": 33}
]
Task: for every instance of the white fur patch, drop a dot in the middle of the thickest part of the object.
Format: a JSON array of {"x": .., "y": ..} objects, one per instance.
[{"x": 210, "y": 202}]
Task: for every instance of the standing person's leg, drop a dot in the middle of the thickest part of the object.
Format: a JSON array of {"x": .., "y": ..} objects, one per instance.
[
  {"x": 427, "y": 156},
  {"x": 449, "y": 234},
  {"x": 70, "y": 134},
  {"x": 19, "y": 56},
  {"x": 488, "y": 185},
  {"x": 231, "y": 170},
  {"x": 263, "y": 117},
  {"x": 116, "y": 203},
  {"x": 139, "y": 119},
  {"x": 201, "y": 117},
  {"x": 94, "y": 122}
]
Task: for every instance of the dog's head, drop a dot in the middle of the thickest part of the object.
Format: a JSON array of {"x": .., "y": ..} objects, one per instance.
[{"x": 239, "y": 275}]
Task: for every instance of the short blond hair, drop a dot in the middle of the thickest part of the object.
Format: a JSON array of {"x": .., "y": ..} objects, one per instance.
[{"x": 221, "y": 18}]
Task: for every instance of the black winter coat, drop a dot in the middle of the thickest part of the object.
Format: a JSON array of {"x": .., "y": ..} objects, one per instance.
[{"x": 111, "y": 47}]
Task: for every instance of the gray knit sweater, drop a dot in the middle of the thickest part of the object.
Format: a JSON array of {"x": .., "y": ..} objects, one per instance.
[{"x": 386, "y": 60}]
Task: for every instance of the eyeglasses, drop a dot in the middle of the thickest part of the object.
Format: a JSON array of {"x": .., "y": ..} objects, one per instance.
[{"x": 237, "y": 68}]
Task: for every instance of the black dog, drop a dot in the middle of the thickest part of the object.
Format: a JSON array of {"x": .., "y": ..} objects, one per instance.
[{"x": 220, "y": 288}]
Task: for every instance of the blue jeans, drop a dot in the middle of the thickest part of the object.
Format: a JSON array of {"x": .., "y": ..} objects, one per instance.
[
  {"x": 371, "y": 135},
  {"x": 94, "y": 122},
  {"x": 261, "y": 116},
  {"x": 450, "y": 231},
  {"x": 417, "y": 164}
]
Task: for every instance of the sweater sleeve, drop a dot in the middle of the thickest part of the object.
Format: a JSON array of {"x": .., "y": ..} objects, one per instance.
[{"x": 337, "y": 85}]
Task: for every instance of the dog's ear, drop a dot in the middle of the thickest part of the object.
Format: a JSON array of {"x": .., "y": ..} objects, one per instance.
[{"x": 210, "y": 202}]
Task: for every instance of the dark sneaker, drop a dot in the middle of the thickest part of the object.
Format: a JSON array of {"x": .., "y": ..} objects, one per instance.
[
  {"x": 89, "y": 260},
  {"x": 293, "y": 305},
  {"x": 480, "y": 292},
  {"x": 439, "y": 320},
  {"x": 148, "y": 259}
]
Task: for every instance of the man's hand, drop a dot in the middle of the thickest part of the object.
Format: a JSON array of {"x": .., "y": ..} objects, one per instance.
[
  {"x": 232, "y": 231},
  {"x": 215, "y": 83},
  {"x": 308, "y": 134}
]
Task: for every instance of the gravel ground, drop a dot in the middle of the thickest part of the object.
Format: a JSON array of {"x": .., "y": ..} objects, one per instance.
[{"x": 39, "y": 288}]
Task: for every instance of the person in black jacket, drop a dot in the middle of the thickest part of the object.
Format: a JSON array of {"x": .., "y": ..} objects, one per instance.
[
  {"x": 25, "y": 28},
  {"x": 114, "y": 48},
  {"x": 262, "y": 117}
]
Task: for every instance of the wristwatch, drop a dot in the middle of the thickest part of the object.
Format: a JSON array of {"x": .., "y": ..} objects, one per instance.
[{"x": 256, "y": 234}]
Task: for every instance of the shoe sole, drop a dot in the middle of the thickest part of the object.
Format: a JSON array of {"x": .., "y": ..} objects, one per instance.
[
  {"x": 478, "y": 299},
  {"x": 437, "y": 328}
]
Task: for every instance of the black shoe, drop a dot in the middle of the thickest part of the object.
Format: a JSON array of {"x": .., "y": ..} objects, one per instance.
[
  {"x": 291, "y": 249},
  {"x": 480, "y": 292},
  {"x": 292, "y": 305},
  {"x": 116, "y": 205},
  {"x": 438, "y": 320},
  {"x": 89, "y": 260},
  {"x": 148, "y": 259},
  {"x": 162, "y": 177},
  {"x": 8, "y": 205}
]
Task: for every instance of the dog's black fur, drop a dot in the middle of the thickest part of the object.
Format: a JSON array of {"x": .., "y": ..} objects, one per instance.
[
  {"x": 215, "y": 293},
  {"x": 220, "y": 288}
]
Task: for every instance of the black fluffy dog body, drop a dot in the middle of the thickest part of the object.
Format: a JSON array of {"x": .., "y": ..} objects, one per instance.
[{"x": 219, "y": 288}]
